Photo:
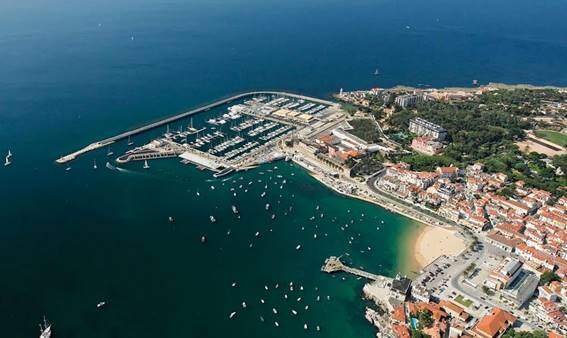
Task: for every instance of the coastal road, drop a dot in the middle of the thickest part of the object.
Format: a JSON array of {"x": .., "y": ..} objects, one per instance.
[{"x": 424, "y": 215}]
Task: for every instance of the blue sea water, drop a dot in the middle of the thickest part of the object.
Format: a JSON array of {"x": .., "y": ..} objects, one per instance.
[{"x": 75, "y": 71}]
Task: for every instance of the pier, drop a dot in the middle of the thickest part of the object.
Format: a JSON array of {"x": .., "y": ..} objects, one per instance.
[
  {"x": 334, "y": 264},
  {"x": 102, "y": 143}
]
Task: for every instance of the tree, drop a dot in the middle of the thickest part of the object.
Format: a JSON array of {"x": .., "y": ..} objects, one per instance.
[
  {"x": 419, "y": 334},
  {"x": 535, "y": 334},
  {"x": 548, "y": 277},
  {"x": 487, "y": 290},
  {"x": 424, "y": 318}
]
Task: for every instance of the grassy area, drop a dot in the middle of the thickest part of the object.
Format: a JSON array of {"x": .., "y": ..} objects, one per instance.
[
  {"x": 366, "y": 129},
  {"x": 463, "y": 301},
  {"x": 553, "y": 136}
]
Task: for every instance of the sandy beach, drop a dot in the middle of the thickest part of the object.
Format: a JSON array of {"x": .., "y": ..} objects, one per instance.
[{"x": 433, "y": 242}]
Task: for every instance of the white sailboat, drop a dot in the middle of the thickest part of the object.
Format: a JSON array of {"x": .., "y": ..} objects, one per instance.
[
  {"x": 8, "y": 159},
  {"x": 45, "y": 329},
  {"x": 146, "y": 165}
]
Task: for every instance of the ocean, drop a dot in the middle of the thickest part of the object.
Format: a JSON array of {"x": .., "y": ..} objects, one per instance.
[{"x": 73, "y": 71}]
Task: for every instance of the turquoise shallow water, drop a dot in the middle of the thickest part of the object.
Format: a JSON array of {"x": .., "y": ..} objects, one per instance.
[{"x": 71, "y": 73}]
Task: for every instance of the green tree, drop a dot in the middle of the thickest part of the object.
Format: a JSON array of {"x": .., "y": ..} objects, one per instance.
[
  {"x": 419, "y": 334},
  {"x": 548, "y": 277},
  {"x": 425, "y": 319},
  {"x": 535, "y": 334}
]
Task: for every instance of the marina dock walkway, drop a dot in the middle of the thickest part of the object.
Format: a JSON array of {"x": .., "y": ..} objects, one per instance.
[
  {"x": 334, "y": 264},
  {"x": 165, "y": 121}
]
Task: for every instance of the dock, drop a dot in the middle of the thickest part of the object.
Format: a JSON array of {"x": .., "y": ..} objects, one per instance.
[
  {"x": 102, "y": 143},
  {"x": 334, "y": 264}
]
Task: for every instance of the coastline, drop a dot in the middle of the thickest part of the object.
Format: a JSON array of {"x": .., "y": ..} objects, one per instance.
[
  {"x": 433, "y": 242},
  {"x": 423, "y": 245}
]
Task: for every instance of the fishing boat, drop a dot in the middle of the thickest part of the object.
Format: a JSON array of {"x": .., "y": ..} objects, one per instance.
[
  {"x": 146, "y": 165},
  {"x": 8, "y": 159},
  {"x": 45, "y": 329}
]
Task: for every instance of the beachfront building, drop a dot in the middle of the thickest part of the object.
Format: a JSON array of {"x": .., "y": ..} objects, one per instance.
[{"x": 422, "y": 127}]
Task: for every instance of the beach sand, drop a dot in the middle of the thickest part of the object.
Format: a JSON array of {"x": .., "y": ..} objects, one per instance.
[{"x": 433, "y": 242}]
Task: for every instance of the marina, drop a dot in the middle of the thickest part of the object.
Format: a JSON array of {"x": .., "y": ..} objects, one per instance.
[
  {"x": 255, "y": 100},
  {"x": 231, "y": 135}
]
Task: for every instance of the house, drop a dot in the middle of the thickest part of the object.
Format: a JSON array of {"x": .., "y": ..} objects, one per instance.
[{"x": 494, "y": 324}]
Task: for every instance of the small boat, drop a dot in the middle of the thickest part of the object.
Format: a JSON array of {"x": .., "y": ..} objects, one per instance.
[
  {"x": 267, "y": 207},
  {"x": 234, "y": 210},
  {"x": 274, "y": 311},
  {"x": 213, "y": 219},
  {"x": 130, "y": 142},
  {"x": 298, "y": 247},
  {"x": 273, "y": 216},
  {"x": 94, "y": 164},
  {"x": 110, "y": 152},
  {"x": 100, "y": 304},
  {"x": 203, "y": 239},
  {"x": 68, "y": 169},
  {"x": 244, "y": 305},
  {"x": 8, "y": 159},
  {"x": 276, "y": 324},
  {"x": 171, "y": 220},
  {"x": 45, "y": 329},
  {"x": 146, "y": 165},
  {"x": 305, "y": 326},
  {"x": 232, "y": 314},
  {"x": 376, "y": 72},
  {"x": 110, "y": 166},
  {"x": 318, "y": 328},
  {"x": 294, "y": 312}
]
